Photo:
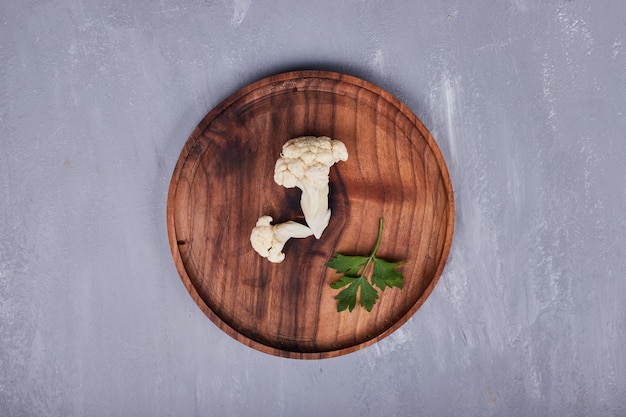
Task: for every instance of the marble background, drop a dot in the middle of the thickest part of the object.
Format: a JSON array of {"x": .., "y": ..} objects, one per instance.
[{"x": 526, "y": 99}]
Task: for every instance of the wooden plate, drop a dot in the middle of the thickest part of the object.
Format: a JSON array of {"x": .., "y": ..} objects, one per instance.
[{"x": 223, "y": 182}]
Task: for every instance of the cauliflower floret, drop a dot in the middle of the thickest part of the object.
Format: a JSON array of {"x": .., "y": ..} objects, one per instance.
[
  {"x": 305, "y": 163},
  {"x": 268, "y": 241}
]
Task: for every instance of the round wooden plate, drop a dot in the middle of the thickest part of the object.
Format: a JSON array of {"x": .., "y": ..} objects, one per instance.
[{"x": 223, "y": 182}]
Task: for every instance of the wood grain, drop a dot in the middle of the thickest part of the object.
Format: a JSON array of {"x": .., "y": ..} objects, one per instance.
[{"x": 223, "y": 182}]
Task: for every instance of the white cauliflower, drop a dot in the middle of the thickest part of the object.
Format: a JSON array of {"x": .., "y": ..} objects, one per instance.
[
  {"x": 268, "y": 241},
  {"x": 305, "y": 163}
]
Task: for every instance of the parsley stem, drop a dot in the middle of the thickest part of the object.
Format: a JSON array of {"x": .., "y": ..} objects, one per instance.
[
  {"x": 380, "y": 236},
  {"x": 373, "y": 255}
]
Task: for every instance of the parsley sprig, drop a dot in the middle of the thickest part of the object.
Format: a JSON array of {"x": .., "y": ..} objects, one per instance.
[{"x": 355, "y": 270}]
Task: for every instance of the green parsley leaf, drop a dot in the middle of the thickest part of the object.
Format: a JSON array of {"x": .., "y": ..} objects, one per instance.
[
  {"x": 369, "y": 295},
  {"x": 348, "y": 265},
  {"x": 385, "y": 274},
  {"x": 347, "y": 297},
  {"x": 355, "y": 270},
  {"x": 342, "y": 282}
]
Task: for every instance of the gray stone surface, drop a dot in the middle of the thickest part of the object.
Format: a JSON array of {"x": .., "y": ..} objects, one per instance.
[{"x": 526, "y": 99}]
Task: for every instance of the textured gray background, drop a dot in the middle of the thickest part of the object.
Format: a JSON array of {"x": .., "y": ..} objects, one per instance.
[{"x": 526, "y": 99}]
